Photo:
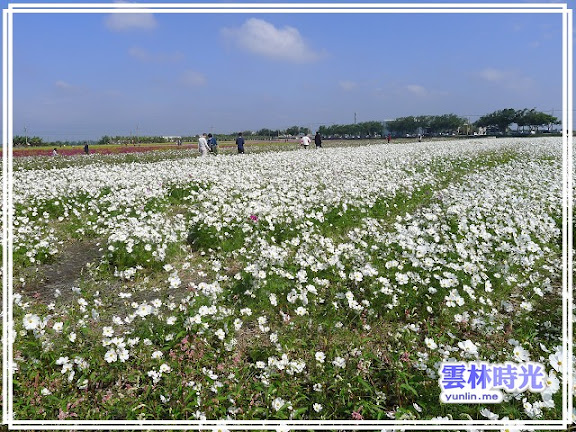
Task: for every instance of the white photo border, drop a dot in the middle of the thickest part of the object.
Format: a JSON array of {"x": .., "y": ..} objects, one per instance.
[{"x": 7, "y": 215}]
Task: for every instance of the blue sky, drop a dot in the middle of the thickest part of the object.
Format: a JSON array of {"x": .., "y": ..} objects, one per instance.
[{"x": 81, "y": 76}]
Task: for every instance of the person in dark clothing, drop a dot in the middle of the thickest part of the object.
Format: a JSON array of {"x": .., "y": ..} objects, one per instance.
[
  {"x": 86, "y": 149},
  {"x": 240, "y": 143},
  {"x": 213, "y": 144},
  {"x": 318, "y": 140}
]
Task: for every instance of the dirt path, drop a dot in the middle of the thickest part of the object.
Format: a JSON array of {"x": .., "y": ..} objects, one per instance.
[{"x": 63, "y": 274}]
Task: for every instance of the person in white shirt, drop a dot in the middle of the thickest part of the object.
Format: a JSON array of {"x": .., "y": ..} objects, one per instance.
[
  {"x": 305, "y": 141},
  {"x": 203, "y": 145}
]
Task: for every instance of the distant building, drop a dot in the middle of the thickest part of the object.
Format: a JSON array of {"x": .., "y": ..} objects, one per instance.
[{"x": 172, "y": 138}]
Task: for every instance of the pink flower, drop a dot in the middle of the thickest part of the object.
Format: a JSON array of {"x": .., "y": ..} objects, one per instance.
[
  {"x": 254, "y": 218},
  {"x": 356, "y": 415}
]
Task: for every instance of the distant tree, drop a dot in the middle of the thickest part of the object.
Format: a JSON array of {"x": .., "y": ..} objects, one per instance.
[
  {"x": 293, "y": 130},
  {"x": 501, "y": 119},
  {"x": 403, "y": 125},
  {"x": 104, "y": 140},
  {"x": 447, "y": 123},
  {"x": 19, "y": 140},
  {"x": 534, "y": 119},
  {"x": 35, "y": 141}
]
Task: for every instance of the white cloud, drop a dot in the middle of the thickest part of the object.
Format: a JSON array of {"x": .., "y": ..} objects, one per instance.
[
  {"x": 192, "y": 78},
  {"x": 417, "y": 90},
  {"x": 348, "y": 85},
  {"x": 63, "y": 85},
  {"x": 131, "y": 21},
  {"x": 509, "y": 79},
  {"x": 260, "y": 37},
  {"x": 67, "y": 89},
  {"x": 145, "y": 56},
  {"x": 491, "y": 74}
]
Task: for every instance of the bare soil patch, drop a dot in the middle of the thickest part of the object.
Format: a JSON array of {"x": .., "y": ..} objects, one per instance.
[{"x": 63, "y": 274}]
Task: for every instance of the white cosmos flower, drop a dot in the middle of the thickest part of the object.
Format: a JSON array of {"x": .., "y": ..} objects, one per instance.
[
  {"x": 339, "y": 362},
  {"x": 468, "y": 348},
  {"x": 157, "y": 355},
  {"x": 111, "y": 356},
  {"x": 62, "y": 360},
  {"x": 31, "y": 321},
  {"x": 489, "y": 414},
  {"x": 520, "y": 354},
  {"x": 301, "y": 311},
  {"x": 430, "y": 343},
  {"x": 123, "y": 354},
  {"x": 164, "y": 368},
  {"x": 278, "y": 403},
  {"x": 320, "y": 356},
  {"x": 402, "y": 278},
  {"x": 556, "y": 361},
  {"x": 144, "y": 310},
  {"x": 552, "y": 383},
  {"x": 273, "y": 300}
]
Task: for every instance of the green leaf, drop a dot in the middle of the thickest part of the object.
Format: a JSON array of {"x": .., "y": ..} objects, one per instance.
[{"x": 409, "y": 388}]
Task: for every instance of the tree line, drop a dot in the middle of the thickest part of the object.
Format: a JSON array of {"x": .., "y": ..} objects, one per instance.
[
  {"x": 502, "y": 119},
  {"x": 496, "y": 122}
]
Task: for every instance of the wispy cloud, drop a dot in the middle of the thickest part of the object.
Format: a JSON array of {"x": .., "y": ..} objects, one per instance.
[
  {"x": 63, "y": 85},
  {"x": 148, "y": 57},
  {"x": 130, "y": 21},
  {"x": 192, "y": 78},
  {"x": 262, "y": 38},
  {"x": 64, "y": 88},
  {"x": 509, "y": 79},
  {"x": 417, "y": 90},
  {"x": 347, "y": 85}
]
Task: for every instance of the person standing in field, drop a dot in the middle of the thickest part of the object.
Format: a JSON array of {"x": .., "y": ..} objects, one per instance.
[
  {"x": 305, "y": 142},
  {"x": 240, "y": 143},
  {"x": 389, "y": 137},
  {"x": 212, "y": 144},
  {"x": 318, "y": 140},
  {"x": 86, "y": 149},
  {"x": 203, "y": 145},
  {"x": 54, "y": 152}
]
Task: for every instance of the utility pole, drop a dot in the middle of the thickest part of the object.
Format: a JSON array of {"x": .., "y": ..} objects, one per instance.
[
  {"x": 354, "y": 118},
  {"x": 26, "y": 136}
]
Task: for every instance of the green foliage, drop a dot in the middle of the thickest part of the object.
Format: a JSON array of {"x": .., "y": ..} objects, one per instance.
[
  {"x": 19, "y": 140},
  {"x": 362, "y": 130},
  {"x": 447, "y": 123},
  {"x": 502, "y": 119}
]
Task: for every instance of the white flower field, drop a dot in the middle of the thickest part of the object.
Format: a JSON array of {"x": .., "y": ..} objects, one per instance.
[{"x": 323, "y": 284}]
